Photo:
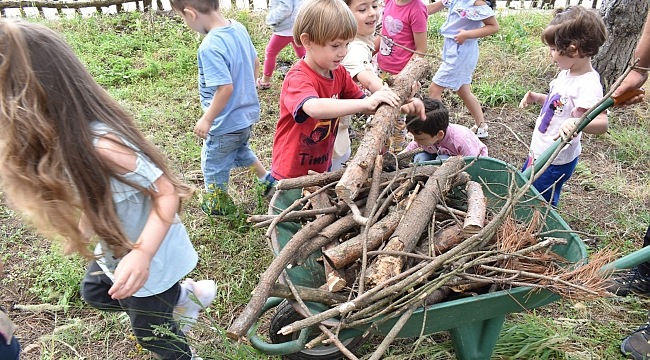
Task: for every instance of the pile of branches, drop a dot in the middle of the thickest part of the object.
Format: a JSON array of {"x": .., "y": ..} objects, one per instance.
[
  {"x": 412, "y": 238},
  {"x": 393, "y": 237}
]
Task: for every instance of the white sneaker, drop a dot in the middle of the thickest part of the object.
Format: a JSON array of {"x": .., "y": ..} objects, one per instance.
[
  {"x": 481, "y": 132},
  {"x": 200, "y": 295}
]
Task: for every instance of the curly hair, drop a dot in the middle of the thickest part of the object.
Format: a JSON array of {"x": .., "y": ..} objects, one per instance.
[
  {"x": 575, "y": 31},
  {"x": 49, "y": 168}
]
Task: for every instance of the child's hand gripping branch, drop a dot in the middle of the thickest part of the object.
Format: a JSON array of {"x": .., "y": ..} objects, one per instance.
[{"x": 327, "y": 108}]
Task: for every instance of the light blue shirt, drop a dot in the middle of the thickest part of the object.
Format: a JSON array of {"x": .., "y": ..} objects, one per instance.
[
  {"x": 176, "y": 256},
  {"x": 227, "y": 56}
]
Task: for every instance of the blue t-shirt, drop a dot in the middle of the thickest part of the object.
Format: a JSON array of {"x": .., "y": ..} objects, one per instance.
[
  {"x": 176, "y": 256},
  {"x": 227, "y": 56}
]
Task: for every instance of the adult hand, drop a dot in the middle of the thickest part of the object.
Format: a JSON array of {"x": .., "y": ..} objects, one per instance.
[
  {"x": 634, "y": 80},
  {"x": 130, "y": 275}
]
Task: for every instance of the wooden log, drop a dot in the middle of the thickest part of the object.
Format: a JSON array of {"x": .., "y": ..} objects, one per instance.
[
  {"x": 349, "y": 251},
  {"x": 308, "y": 294},
  {"x": 253, "y": 309},
  {"x": 415, "y": 221},
  {"x": 443, "y": 240},
  {"x": 356, "y": 172},
  {"x": 334, "y": 280},
  {"x": 317, "y": 179},
  {"x": 476, "y": 209},
  {"x": 329, "y": 234},
  {"x": 375, "y": 188}
]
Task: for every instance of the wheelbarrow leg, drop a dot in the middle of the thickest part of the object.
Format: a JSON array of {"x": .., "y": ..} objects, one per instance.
[{"x": 476, "y": 340}]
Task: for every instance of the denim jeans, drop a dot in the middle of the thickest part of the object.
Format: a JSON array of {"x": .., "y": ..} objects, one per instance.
[
  {"x": 222, "y": 153},
  {"x": 11, "y": 351},
  {"x": 144, "y": 312},
  {"x": 549, "y": 184}
]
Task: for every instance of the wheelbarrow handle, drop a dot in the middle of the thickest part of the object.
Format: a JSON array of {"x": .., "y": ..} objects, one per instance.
[
  {"x": 539, "y": 163},
  {"x": 628, "y": 261}
]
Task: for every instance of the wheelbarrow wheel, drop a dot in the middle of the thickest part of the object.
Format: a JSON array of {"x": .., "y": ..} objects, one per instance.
[{"x": 285, "y": 315}]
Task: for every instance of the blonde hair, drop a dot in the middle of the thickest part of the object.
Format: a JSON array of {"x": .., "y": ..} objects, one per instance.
[
  {"x": 48, "y": 164},
  {"x": 324, "y": 21}
]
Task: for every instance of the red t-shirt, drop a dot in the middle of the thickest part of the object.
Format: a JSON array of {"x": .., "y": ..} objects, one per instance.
[{"x": 302, "y": 143}]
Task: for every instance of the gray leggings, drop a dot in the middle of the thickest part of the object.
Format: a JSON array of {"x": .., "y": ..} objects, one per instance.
[{"x": 144, "y": 313}]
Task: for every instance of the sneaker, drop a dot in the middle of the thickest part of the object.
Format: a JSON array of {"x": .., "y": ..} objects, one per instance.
[
  {"x": 481, "y": 132},
  {"x": 268, "y": 182},
  {"x": 637, "y": 345},
  {"x": 218, "y": 203},
  {"x": 200, "y": 295},
  {"x": 631, "y": 282}
]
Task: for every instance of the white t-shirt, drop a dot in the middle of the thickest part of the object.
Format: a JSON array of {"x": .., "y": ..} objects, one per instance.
[{"x": 566, "y": 94}]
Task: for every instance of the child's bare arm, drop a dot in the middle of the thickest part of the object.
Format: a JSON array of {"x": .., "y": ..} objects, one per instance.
[
  {"x": 326, "y": 108},
  {"x": 434, "y": 7},
  {"x": 491, "y": 27},
  {"x": 369, "y": 80},
  {"x": 532, "y": 98},
  {"x": 420, "y": 42},
  {"x": 132, "y": 271},
  {"x": 219, "y": 101}
]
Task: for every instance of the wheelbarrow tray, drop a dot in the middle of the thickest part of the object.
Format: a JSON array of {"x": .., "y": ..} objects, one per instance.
[{"x": 473, "y": 322}]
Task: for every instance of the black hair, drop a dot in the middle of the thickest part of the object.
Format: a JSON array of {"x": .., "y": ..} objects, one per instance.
[{"x": 437, "y": 118}]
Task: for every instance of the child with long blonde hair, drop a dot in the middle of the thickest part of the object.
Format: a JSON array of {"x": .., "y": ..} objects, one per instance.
[{"x": 74, "y": 162}]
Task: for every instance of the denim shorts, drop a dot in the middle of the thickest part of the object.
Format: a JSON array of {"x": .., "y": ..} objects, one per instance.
[{"x": 222, "y": 153}]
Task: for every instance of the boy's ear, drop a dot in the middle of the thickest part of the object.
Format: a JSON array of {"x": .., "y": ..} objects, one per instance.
[
  {"x": 304, "y": 39},
  {"x": 190, "y": 12}
]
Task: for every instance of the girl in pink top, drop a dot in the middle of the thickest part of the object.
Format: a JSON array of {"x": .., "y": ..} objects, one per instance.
[
  {"x": 438, "y": 138},
  {"x": 404, "y": 25}
]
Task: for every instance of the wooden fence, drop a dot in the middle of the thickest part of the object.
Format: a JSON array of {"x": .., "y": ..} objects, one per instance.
[{"x": 146, "y": 5}]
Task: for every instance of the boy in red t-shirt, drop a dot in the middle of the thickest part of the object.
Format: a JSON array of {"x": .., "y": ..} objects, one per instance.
[{"x": 317, "y": 91}]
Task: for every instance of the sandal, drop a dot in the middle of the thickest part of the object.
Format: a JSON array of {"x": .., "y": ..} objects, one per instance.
[
  {"x": 481, "y": 132},
  {"x": 263, "y": 86}
]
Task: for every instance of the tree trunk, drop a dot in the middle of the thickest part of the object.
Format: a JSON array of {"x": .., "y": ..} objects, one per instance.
[{"x": 624, "y": 20}]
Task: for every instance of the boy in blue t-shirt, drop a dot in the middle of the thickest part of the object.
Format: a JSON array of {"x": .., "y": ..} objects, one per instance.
[{"x": 228, "y": 66}]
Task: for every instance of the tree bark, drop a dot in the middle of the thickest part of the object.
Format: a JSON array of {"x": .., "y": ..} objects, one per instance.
[
  {"x": 415, "y": 221},
  {"x": 349, "y": 251},
  {"x": 374, "y": 139},
  {"x": 308, "y": 294},
  {"x": 260, "y": 294},
  {"x": 476, "y": 209},
  {"x": 624, "y": 21}
]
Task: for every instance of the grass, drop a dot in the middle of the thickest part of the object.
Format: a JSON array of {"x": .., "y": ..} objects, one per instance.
[{"x": 148, "y": 63}]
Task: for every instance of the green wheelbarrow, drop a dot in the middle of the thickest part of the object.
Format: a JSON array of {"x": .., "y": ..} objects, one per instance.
[{"x": 473, "y": 323}]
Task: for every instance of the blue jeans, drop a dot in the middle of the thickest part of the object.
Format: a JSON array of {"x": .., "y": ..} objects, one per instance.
[
  {"x": 425, "y": 156},
  {"x": 222, "y": 153},
  {"x": 11, "y": 351},
  {"x": 549, "y": 184}
]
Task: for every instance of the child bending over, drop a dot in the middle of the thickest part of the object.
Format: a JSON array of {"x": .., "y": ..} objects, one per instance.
[
  {"x": 438, "y": 138},
  {"x": 75, "y": 163}
]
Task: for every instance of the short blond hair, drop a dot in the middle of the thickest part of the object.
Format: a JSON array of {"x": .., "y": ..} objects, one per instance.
[{"x": 324, "y": 21}]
